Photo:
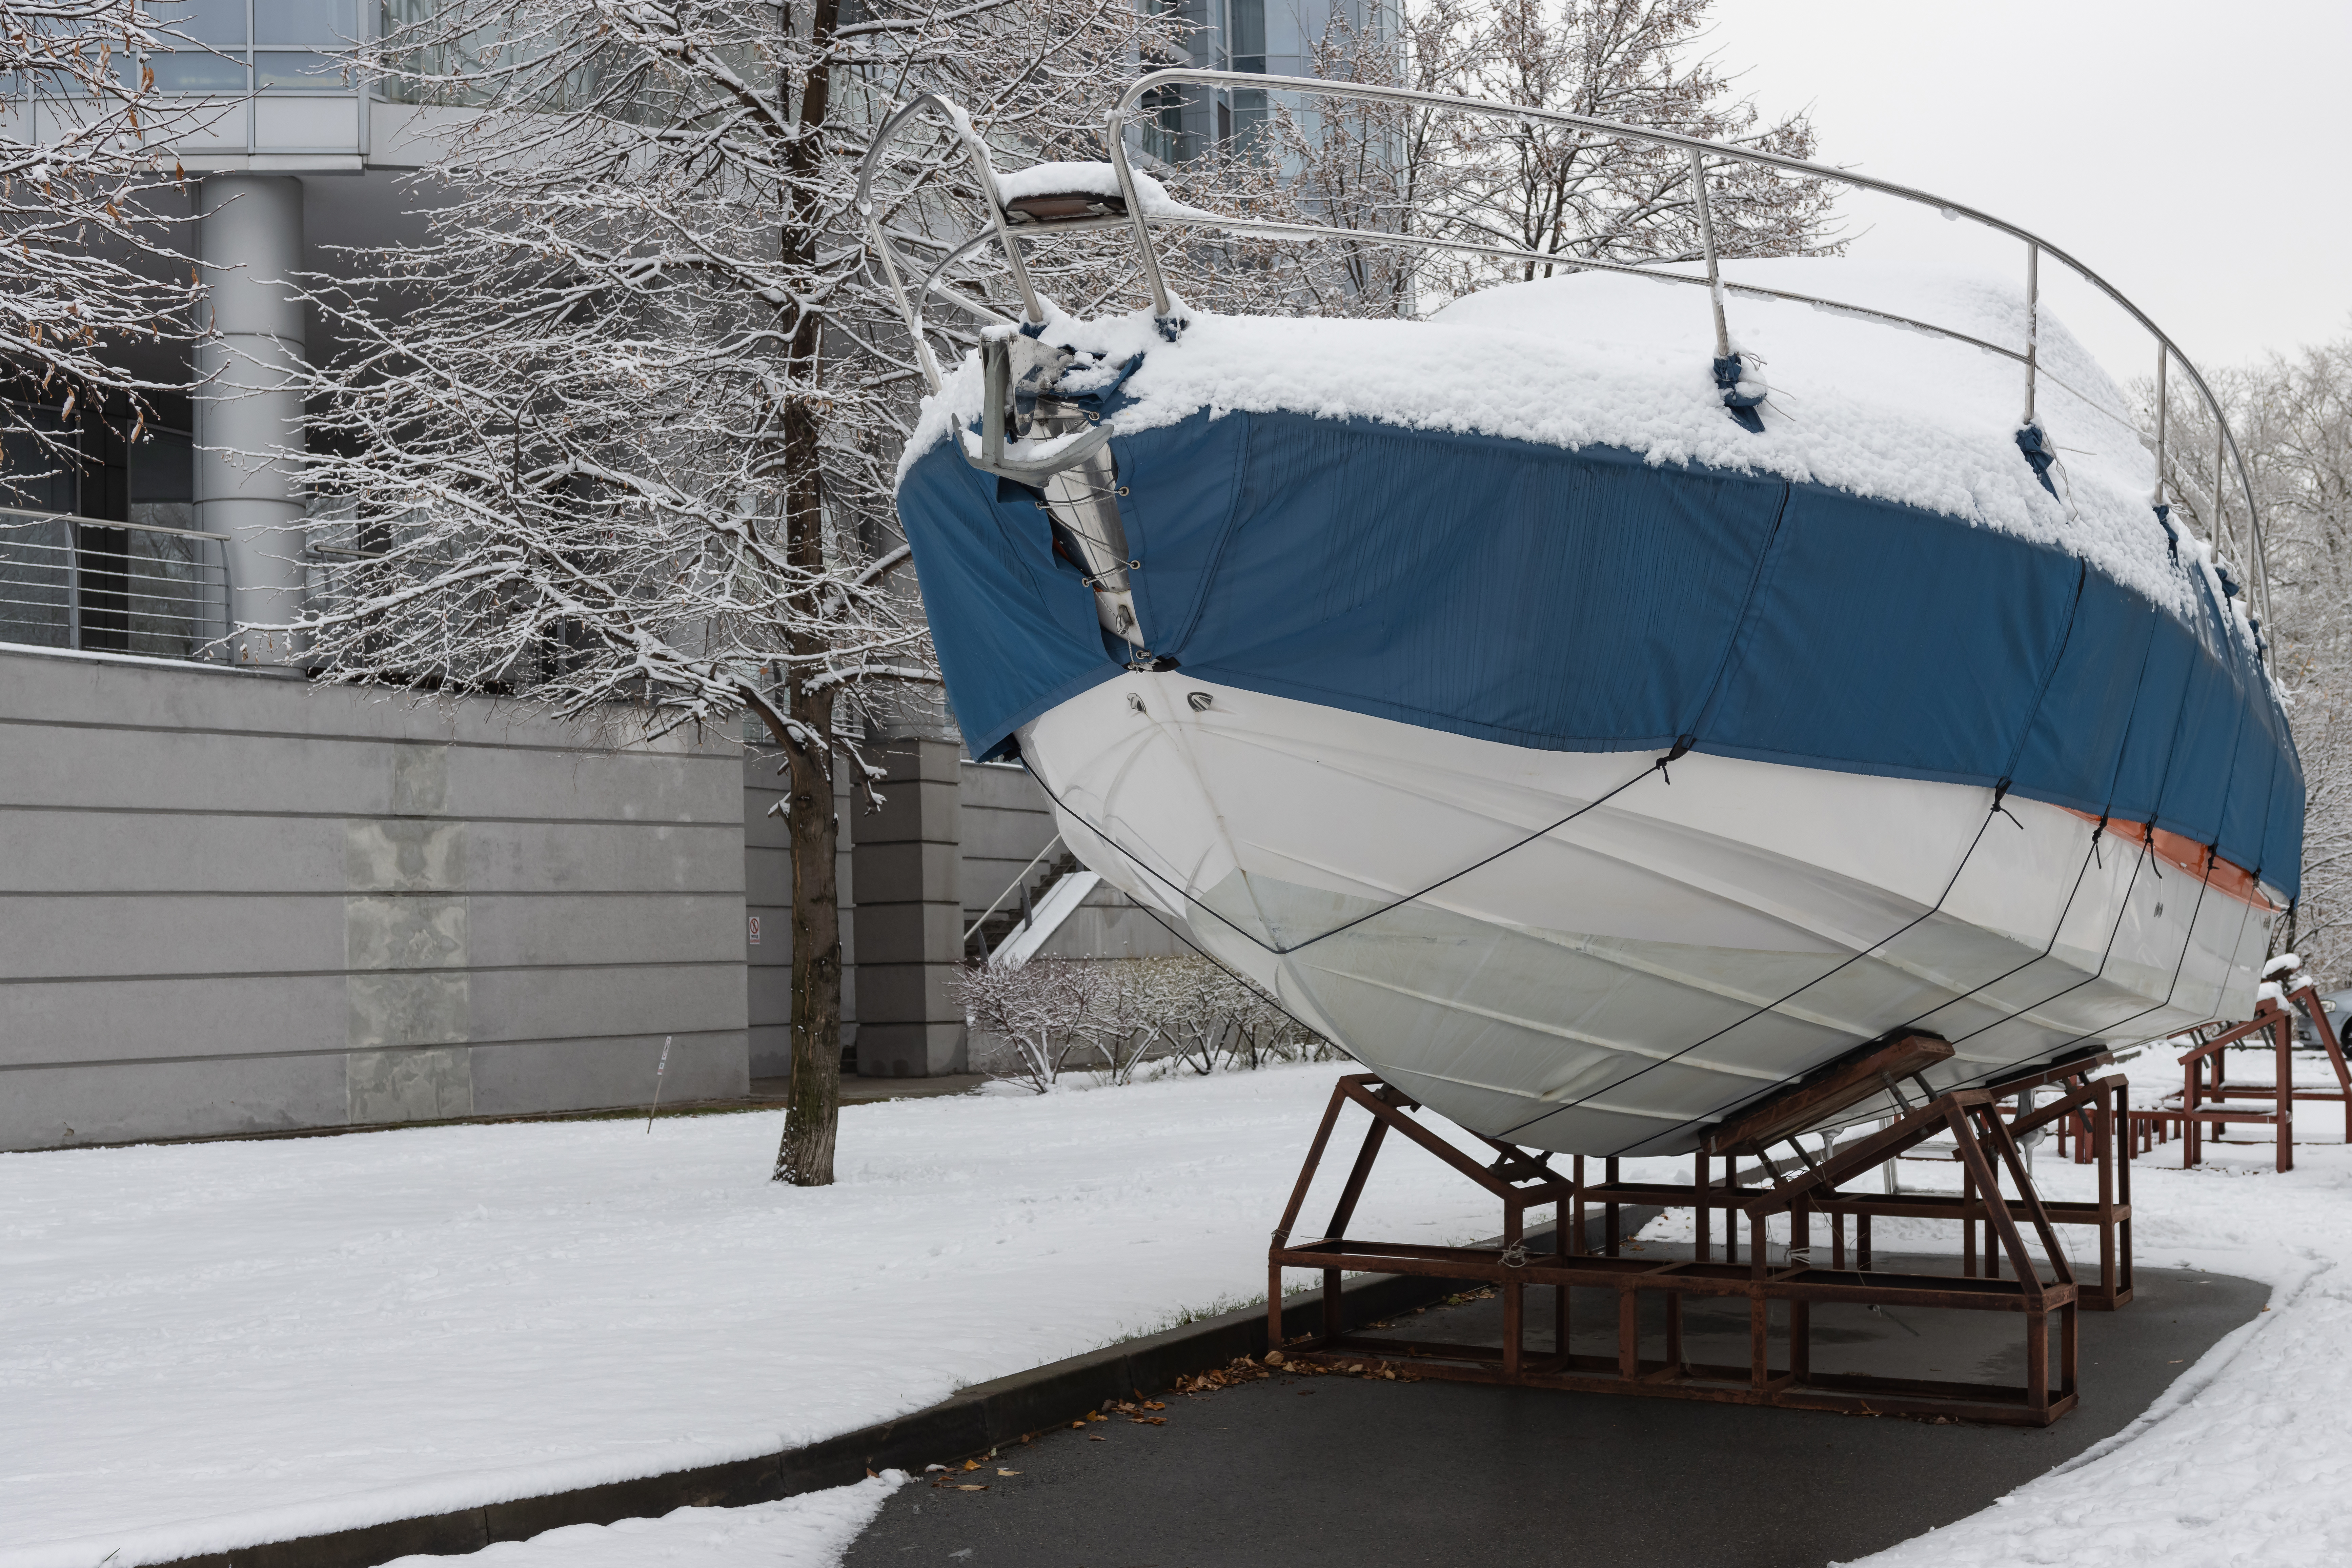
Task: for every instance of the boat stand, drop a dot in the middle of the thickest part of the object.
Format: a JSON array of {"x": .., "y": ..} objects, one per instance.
[
  {"x": 2207, "y": 1097},
  {"x": 2094, "y": 1107},
  {"x": 1779, "y": 1376}
]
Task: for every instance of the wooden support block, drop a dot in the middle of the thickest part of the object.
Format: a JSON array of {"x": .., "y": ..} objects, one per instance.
[{"x": 1827, "y": 1091}]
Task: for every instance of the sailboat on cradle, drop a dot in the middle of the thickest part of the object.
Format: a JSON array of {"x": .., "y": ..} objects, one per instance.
[{"x": 1590, "y": 737}]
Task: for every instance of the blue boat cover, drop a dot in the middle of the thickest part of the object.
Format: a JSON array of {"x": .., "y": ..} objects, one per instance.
[{"x": 1593, "y": 601}]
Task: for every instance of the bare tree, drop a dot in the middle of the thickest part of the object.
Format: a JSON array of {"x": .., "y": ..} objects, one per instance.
[
  {"x": 1555, "y": 189},
  {"x": 621, "y": 436},
  {"x": 84, "y": 269},
  {"x": 1411, "y": 170},
  {"x": 2294, "y": 415},
  {"x": 1382, "y": 168}
]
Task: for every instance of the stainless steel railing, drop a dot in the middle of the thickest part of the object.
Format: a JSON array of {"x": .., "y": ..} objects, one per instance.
[
  {"x": 111, "y": 587},
  {"x": 2246, "y": 547}
]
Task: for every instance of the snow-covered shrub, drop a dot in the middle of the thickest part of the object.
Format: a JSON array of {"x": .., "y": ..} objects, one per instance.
[
  {"x": 1042, "y": 1010},
  {"x": 1117, "y": 1017},
  {"x": 1202, "y": 1017}
]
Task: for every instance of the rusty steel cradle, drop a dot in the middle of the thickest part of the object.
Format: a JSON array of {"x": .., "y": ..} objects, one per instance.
[{"x": 2047, "y": 1297}]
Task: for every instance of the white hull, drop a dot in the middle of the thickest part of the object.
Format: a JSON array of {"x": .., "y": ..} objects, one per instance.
[{"x": 1615, "y": 983}]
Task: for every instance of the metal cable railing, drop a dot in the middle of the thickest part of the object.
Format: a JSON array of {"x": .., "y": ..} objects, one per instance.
[
  {"x": 111, "y": 587},
  {"x": 2247, "y": 547}
]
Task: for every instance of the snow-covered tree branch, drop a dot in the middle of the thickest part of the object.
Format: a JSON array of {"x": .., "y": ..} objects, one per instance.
[
  {"x": 85, "y": 270},
  {"x": 1519, "y": 184},
  {"x": 2294, "y": 415},
  {"x": 621, "y": 436}
]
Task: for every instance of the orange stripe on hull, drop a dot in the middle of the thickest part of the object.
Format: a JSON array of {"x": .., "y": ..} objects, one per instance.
[{"x": 2192, "y": 857}]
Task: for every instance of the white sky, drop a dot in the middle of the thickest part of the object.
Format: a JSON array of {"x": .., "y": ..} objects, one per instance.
[{"x": 2188, "y": 152}]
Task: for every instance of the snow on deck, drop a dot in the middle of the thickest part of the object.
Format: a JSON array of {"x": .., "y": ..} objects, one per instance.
[
  {"x": 1857, "y": 404},
  {"x": 211, "y": 1345},
  {"x": 1089, "y": 179}
]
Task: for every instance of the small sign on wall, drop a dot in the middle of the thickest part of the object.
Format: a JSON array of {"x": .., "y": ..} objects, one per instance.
[{"x": 755, "y": 931}]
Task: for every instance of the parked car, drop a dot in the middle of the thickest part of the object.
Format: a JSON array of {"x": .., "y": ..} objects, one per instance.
[{"x": 2338, "y": 1007}]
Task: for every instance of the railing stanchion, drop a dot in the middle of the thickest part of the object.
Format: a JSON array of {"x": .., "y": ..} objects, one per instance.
[
  {"x": 73, "y": 585},
  {"x": 1706, "y": 243},
  {"x": 2163, "y": 373},
  {"x": 986, "y": 169},
  {"x": 1162, "y": 305},
  {"x": 2221, "y": 479},
  {"x": 2032, "y": 322}
]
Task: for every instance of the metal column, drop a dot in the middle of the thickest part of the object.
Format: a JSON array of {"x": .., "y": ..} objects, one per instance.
[{"x": 249, "y": 243}]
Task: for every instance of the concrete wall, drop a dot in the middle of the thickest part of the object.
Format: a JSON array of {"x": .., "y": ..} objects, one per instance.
[
  {"x": 230, "y": 902},
  {"x": 908, "y": 857},
  {"x": 1110, "y": 924},
  {"x": 1006, "y": 821}
]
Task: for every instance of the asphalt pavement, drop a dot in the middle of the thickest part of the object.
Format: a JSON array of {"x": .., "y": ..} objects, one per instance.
[{"x": 1300, "y": 1472}]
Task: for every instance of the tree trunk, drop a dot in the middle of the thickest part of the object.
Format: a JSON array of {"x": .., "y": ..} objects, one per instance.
[{"x": 812, "y": 1115}]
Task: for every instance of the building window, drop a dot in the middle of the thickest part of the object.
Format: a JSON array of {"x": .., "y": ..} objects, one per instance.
[
  {"x": 278, "y": 46},
  {"x": 1245, "y": 41}
]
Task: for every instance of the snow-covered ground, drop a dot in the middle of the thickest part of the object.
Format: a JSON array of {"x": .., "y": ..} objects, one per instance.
[
  {"x": 213, "y": 1344},
  {"x": 208, "y": 1345},
  {"x": 2242, "y": 1461},
  {"x": 810, "y": 1532}
]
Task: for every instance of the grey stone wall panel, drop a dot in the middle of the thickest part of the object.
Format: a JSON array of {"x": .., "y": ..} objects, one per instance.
[
  {"x": 907, "y": 993},
  {"x": 326, "y": 933},
  {"x": 484, "y": 782},
  {"x": 65, "y": 1106},
  {"x": 924, "y": 809},
  {"x": 53, "y": 937},
  {"x": 771, "y": 995},
  {"x": 177, "y": 852},
  {"x": 599, "y": 1002},
  {"x": 605, "y": 858},
  {"x": 47, "y": 688},
  {"x": 1108, "y": 930},
  {"x": 908, "y": 873},
  {"x": 768, "y": 873},
  {"x": 997, "y": 786},
  {"x": 771, "y": 1050},
  {"x": 910, "y": 1050},
  {"x": 530, "y": 930},
  {"x": 317, "y": 907},
  {"x": 409, "y": 1086},
  {"x": 166, "y": 852},
  {"x": 930, "y": 930},
  {"x": 120, "y": 769},
  {"x": 174, "y": 1018},
  {"x": 582, "y": 1075}
]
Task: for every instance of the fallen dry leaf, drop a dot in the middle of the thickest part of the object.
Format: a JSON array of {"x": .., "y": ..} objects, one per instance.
[
  {"x": 972, "y": 1464},
  {"x": 1148, "y": 1420},
  {"x": 1002, "y": 1472},
  {"x": 1097, "y": 1437},
  {"x": 983, "y": 1487}
]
